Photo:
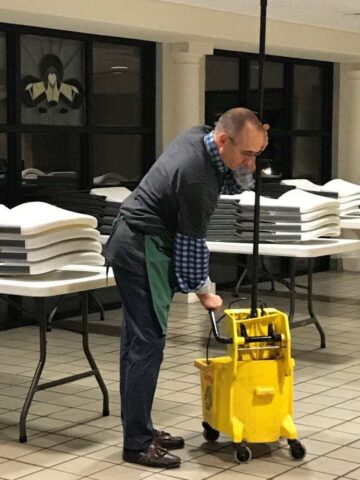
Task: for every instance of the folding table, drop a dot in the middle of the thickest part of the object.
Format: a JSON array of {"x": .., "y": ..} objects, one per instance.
[
  {"x": 309, "y": 250},
  {"x": 71, "y": 279}
]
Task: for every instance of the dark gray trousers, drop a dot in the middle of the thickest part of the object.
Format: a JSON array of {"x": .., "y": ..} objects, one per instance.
[{"x": 141, "y": 353}]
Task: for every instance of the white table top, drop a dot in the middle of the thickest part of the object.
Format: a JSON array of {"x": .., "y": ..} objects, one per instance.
[
  {"x": 114, "y": 194},
  {"x": 310, "y": 249},
  {"x": 69, "y": 279},
  {"x": 351, "y": 223},
  {"x": 104, "y": 239}
]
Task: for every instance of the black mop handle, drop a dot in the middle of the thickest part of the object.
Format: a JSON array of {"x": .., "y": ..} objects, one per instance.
[
  {"x": 263, "y": 5},
  {"x": 254, "y": 290}
]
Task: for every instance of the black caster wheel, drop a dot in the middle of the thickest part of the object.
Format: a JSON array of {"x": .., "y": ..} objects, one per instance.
[
  {"x": 209, "y": 433},
  {"x": 297, "y": 450},
  {"x": 242, "y": 454}
]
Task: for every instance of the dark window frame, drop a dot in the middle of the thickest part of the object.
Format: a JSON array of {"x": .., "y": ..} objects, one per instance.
[
  {"x": 11, "y": 193},
  {"x": 287, "y": 134}
]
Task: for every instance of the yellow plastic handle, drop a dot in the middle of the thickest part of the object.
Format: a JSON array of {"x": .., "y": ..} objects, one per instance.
[{"x": 264, "y": 391}]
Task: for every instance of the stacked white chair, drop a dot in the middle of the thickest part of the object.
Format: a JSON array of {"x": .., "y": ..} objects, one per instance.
[
  {"x": 346, "y": 193},
  {"x": 294, "y": 216},
  {"x": 37, "y": 238},
  {"x": 114, "y": 197}
]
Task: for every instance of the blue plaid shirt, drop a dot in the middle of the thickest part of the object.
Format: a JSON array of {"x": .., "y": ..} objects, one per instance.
[{"x": 192, "y": 254}]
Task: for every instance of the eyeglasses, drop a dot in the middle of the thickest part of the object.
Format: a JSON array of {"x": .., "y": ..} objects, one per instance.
[{"x": 248, "y": 154}]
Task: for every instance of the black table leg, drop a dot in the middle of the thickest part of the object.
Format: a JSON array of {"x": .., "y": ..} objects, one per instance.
[
  {"x": 34, "y": 384},
  {"x": 266, "y": 270},
  {"x": 53, "y": 313},
  {"x": 239, "y": 283},
  {"x": 97, "y": 302},
  {"x": 85, "y": 338},
  {"x": 292, "y": 291},
  {"x": 310, "y": 305},
  {"x": 312, "y": 319}
]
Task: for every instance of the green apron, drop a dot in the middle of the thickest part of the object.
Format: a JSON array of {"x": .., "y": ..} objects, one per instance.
[{"x": 159, "y": 264}]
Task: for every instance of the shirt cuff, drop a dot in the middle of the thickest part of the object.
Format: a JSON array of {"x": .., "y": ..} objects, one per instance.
[{"x": 205, "y": 288}]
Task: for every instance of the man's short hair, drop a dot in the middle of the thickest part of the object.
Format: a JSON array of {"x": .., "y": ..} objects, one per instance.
[{"x": 234, "y": 120}]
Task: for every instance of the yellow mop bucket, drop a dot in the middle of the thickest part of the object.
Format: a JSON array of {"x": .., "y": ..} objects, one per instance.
[{"x": 248, "y": 394}]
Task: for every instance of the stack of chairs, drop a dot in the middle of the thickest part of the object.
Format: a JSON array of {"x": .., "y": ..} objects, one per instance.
[
  {"x": 81, "y": 202},
  {"x": 346, "y": 193},
  {"x": 113, "y": 196},
  {"x": 225, "y": 221},
  {"x": 294, "y": 216},
  {"x": 37, "y": 238}
]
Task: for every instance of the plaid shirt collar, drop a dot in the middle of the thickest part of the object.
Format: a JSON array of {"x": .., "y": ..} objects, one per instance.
[
  {"x": 213, "y": 151},
  {"x": 231, "y": 185}
]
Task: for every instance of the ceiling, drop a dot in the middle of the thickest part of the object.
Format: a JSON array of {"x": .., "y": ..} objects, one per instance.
[{"x": 334, "y": 14}]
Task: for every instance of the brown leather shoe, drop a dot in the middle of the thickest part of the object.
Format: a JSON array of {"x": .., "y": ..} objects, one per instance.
[
  {"x": 166, "y": 440},
  {"x": 154, "y": 456}
]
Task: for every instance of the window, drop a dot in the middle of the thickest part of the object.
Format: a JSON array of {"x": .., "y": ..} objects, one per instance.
[
  {"x": 117, "y": 85},
  {"x": 297, "y": 105},
  {"x": 306, "y": 155},
  {"x": 50, "y": 159},
  {"x": 3, "y": 158},
  {"x": 307, "y": 99},
  {"x": 52, "y": 81},
  {"x": 3, "y": 115},
  {"x": 3, "y": 86},
  {"x": 275, "y": 106},
  {"x": 222, "y": 73},
  {"x": 117, "y": 159},
  {"x": 273, "y": 75},
  {"x": 82, "y": 113}
]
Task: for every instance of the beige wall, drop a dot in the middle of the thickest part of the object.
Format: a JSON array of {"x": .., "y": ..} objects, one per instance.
[
  {"x": 166, "y": 95},
  {"x": 159, "y": 21},
  {"x": 169, "y": 23},
  {"x": 349, "y": 123}
]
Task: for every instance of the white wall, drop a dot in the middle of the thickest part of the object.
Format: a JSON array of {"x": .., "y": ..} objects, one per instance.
[
  {"x": 169, "y": 23},
  {"x": 167, "y": 95},
  {"x": 349, "y": 123}
]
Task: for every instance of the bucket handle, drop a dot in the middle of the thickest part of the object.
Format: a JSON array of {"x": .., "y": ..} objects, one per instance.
[
  {"x": 218, "y": 337},
  {"x": 271, "y": 337}
]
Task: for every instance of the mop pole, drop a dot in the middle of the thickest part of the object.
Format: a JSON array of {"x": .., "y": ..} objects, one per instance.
[{"x": 255, "y": 258}]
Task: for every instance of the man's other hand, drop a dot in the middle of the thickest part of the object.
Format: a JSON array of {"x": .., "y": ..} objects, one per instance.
[{"x": 266, "y": 128}]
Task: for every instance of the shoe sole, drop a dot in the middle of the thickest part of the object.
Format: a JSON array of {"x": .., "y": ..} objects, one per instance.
[
  {"x": 176, "y": 465},
  {"x": 172, "y": 448},
  {"x": 172, "y": 466}
]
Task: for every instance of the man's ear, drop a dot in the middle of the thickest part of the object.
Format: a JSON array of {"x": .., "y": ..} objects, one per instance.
[{"x": 221, "y": 139}]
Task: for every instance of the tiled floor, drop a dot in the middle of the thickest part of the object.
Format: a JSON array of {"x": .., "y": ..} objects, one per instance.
[{"x": 69, "y": 440}]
